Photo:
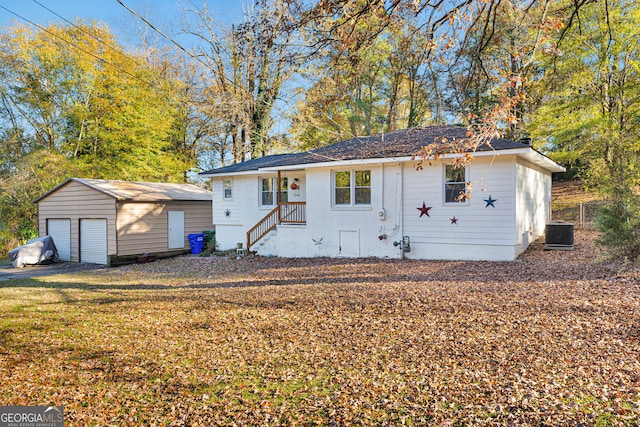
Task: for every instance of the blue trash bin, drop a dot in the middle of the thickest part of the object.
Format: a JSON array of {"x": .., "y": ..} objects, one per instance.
[{"x": 196, "y": 241}]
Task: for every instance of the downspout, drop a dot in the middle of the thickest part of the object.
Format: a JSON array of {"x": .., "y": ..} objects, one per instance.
[
  {"x": 382, "y": 192},
  {"x": 399, "y": 202}
]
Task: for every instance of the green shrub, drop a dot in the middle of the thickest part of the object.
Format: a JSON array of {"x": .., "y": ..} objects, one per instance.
[{"x": 619, "y": 225}]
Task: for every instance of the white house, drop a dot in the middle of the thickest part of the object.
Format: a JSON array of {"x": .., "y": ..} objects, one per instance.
[{"x": 365, "y": 198}]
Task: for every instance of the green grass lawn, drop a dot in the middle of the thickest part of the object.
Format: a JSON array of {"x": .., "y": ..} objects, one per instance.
[{"x": 551, "y": 339}]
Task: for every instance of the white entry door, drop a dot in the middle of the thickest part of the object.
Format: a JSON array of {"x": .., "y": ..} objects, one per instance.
[
  {"x": 60, "y": 231},
  {"x": 176, "y": 229},
  {"x": 93, "y": 241}
]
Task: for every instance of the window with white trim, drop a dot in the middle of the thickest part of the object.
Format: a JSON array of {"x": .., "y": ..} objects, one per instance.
[
  {"x": 455, "y": 184},
  {"x": 227, "y": 188},
  {"x": 267, "y": 192},
  {"x": 352, "y": 188}
]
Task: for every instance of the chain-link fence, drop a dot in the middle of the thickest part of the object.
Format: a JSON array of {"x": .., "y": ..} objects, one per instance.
[{"x": 581, "y": 214}]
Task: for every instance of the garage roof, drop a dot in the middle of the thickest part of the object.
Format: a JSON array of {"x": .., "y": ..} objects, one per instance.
[{"x": 140, "y": 191}]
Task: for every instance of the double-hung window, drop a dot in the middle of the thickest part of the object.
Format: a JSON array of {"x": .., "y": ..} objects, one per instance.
[
  {"x": 455, "y": 185},
  {"x": 267, "y": 192},
  {"x": 352, "y": 188},
  {"x": 227, "y": 189}
]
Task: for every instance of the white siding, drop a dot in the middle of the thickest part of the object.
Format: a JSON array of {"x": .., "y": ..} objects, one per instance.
[
  {"x": 242, "y": 214},
  {"x": 481, "y": 232},
  {"x": 244, "y": 210},
  {"x": 363, "y": 225},
  {"x": 532, "y": 202},
  {"x": 234, "y": 205}
]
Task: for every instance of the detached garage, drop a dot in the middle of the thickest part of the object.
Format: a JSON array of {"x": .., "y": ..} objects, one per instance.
[{"x": 104, "y": 222}]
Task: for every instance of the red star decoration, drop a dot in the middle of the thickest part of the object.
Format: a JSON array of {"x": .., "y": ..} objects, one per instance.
[
  {"x": 424, "y": 210},
  {"x": 454, "y": 220}
]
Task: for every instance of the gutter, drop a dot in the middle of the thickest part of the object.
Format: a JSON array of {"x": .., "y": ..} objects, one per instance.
[{"x": 526, "y": 152}]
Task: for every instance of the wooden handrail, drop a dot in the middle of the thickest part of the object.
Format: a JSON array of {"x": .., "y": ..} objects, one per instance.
[
  {"x": 293, "y": 212},
  {"x": 285, "y": 212},
  {"x": 264, "y": 226}
]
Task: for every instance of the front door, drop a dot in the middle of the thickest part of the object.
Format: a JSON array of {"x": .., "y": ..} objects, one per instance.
[{"x": 297, "y": 188}]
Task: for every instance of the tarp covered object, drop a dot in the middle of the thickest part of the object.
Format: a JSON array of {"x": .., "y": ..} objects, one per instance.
[{"x": 40, "y": 250}]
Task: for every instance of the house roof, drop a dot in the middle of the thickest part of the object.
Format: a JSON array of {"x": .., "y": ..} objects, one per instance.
[
  {"x": 140, "y": 191},
  {"x": 259, "y": 163},
  {"x": 400, "y": 143}
]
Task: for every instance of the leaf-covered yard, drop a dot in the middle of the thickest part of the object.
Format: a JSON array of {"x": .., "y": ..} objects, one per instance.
[{"x": 550, "y": 339}]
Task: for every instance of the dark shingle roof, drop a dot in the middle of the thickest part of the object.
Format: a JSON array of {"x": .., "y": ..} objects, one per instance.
[
  {"x": 400, "y": 143},
  {"x": 255, "y": 164}
]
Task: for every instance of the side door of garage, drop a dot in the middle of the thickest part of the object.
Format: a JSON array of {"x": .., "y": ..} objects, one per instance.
[
  {"x": 176, "y": 229},
  {"x": 93, "y": 241},
  {"x": 60, "y": 231}
]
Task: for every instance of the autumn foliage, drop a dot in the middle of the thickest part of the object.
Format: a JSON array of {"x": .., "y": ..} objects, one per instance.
[{"x": 550, "y": 339}]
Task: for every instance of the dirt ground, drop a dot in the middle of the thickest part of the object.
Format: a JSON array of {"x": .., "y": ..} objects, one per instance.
[{"x": 549, "y": 339}]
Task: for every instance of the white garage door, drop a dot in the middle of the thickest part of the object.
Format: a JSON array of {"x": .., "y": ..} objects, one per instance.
[
  {"x": 60, "y": 230},
  {"x": 93, "y": 241}
]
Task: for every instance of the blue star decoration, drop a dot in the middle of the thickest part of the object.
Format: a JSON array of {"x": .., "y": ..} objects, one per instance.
[
  {"x": 227, "y": 213},
  {"x": 490, "y": 202},
  {"x": 424, "y": 210},
  {"x": 454, "y": 220}
]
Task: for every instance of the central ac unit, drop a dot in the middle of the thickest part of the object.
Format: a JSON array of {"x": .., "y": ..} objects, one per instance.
[{"x": 559, "y": 235}]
